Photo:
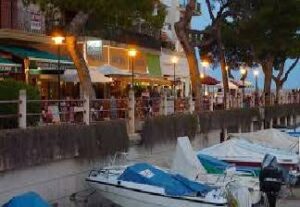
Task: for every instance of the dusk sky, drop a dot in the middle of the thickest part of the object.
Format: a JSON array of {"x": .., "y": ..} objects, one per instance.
[{"x": 202, "y": 21}]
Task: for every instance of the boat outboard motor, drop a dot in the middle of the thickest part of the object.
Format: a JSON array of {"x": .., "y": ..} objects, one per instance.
[{"x": 271, "y": 179}]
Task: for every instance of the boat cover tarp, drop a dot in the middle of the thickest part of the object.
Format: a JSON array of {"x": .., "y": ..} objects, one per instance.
[
  {"x": 29, "y": 199},
  {"x": 185, "y": 160},
  {"x": 215, "y": 166},
  {"x": 174, "y": 185},
  {"x": 294, "y": 134},
  {"x": 270, "y": 138},
  {"x": 243, "y": 151}
]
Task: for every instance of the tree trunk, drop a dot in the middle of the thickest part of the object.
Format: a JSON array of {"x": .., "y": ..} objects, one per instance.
[
  {"x": 223, "y": 67},
  {"x": 81, "y": 66},
  {"x": 267, "y": 67},
  {"x": 181, "y": 29},
  {"x": 75, "y": 27},
  {"x": 278, "y": 89}
]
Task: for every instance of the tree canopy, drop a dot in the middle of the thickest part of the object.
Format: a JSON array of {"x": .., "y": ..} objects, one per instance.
[
  {"x": 121, "y": 13},
  {"x": 255, "y": 32}
]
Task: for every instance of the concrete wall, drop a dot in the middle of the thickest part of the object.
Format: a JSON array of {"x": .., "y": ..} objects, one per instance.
[{"x": 57, "y": 181}]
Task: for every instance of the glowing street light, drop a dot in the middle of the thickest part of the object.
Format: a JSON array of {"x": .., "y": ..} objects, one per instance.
[
  {"x": 256, "y": 74},
  {"x": 243, "y": 72},
  {"x": 58, "y": 40},
  {"x": 174, "y": 61},
  {"x": 205, "y": 63},
  {"x": 132, "y": 53}
]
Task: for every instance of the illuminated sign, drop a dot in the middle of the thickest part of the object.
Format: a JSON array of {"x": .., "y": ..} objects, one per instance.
[{"x": 94, "y": 49}]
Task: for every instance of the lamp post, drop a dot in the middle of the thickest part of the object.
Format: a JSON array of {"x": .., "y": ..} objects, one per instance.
[
  {"x": 243, "y": 72},
  {"x": 174, "y": 61},
  {"x": 205, "y": 65},
  {"x": 58, "y": 40},
  {"x": 132, "y": 54},
  {"x": 256, "y": 73}
]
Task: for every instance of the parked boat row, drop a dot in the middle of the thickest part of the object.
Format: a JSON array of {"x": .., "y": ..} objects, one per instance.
[{"x": 219, "y": 175}]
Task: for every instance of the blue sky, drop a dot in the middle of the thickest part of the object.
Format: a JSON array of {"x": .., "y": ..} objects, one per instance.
[{"x": 204, "y": 20}]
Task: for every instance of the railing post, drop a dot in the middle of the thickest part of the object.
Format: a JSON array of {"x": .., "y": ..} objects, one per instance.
[
  {"x": 211, "y": 103},
  {"x": 22, "y": 109},
  {"x": 286, "y": 121},
  {"x": 239, "y": 128},
  {"x": 291, "y": 120},
  {"x": 131, "y": 114},
  {"x": 227, "y": 101},
  {"x": 278, "y": 121},
  {"x": 252, "y": 126},
  {"x": 165, "y": 105},
  {"x": 191, "y": 105},
  {"x": 225, "y": 134},
  {"x": 86, "y": 109},
  {"x": 271, "y": 123},
  {"x": 262, "y": 125}
]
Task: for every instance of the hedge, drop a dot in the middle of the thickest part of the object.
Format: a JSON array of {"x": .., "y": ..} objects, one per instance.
[
  {"x": 227, "y": 118},
  {"x": 22, "y": 148},
  {"x": 163, "y": 129},
  {"x": 9, "y": 90}
]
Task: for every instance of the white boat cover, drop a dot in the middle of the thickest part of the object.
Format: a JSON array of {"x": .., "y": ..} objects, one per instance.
[
  {"x": 185, "y": 161},
  {"x": 241, "y": 150},
  {"x": 270, "y": 138}
]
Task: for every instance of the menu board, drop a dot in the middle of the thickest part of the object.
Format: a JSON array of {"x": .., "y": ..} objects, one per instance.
[{"x": 55, "y": 113}]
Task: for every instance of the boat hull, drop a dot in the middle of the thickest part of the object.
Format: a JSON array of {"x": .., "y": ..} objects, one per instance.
[
  {"x": 127, "y": 197},
  {"x": 257, "y": 164}
]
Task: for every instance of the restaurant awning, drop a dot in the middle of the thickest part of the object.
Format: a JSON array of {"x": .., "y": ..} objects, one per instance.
[
  {"x": 112, "y": 71},
  {"x": 41, "y": 62},
  {"x": 150, "y": 80},
  {"x": 230, "y": 84},
  {"x": 7, "y": 66},
  {"x": 208, "y": 80},
  {"x": 96, "y": 77},
  {"x": 242, "y": 84},
  {"x": 154, "y": 65},
  {"x": 34, "y": 54}
]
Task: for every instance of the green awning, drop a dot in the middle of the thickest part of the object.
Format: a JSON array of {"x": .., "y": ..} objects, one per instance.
[
  {"x": 153, "y": 62},
  {"x": 6, "y": 65},
  {"x": 34, "y": 54},
  {"x": 45, "y": 72}
]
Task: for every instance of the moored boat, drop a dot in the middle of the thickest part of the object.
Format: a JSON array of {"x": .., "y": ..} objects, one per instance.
[
  {"x": 144, "y": 185},
  {"x": 244, "y": 153}
]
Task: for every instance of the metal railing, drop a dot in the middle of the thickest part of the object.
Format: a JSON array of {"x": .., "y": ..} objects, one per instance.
[{"x": 24, "y": 113}]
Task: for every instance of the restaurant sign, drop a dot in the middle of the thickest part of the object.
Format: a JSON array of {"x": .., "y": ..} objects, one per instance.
[
  {"x": 10, "y": 68},
  {"x": 50, "y": 65}
]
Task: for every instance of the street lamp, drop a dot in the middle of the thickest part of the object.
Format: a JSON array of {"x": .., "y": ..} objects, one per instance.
[
  {"x": 205, "y": 63},
  {"x": 132, "y": 54},
  {"x": 58, "y": 40},
  {"x": 243, "y": 72},
  {"x": 174, "y": 61},
  {"x": 256, "y": 74}
]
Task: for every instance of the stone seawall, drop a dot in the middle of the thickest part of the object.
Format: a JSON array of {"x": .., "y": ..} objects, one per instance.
[{"x": 58, "y": 181}]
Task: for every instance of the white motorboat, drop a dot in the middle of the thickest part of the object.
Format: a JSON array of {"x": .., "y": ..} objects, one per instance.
[
  {"x": 243, "y": 186},
  {"x": 143, "y": 185},
  {"x": 274, "y": 138},
  {"x": 242, "y": 152}
]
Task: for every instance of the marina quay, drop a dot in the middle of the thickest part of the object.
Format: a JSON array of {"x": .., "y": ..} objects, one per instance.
[{"x": 147, "y": 103}]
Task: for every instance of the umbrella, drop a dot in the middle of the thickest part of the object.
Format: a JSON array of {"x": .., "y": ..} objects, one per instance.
[
  {"x": 208, "y": 80},
  {"x": 96, "y": 77},
  {"x": 109, "y": 70},
  {"x": 230, "y": 84}
]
